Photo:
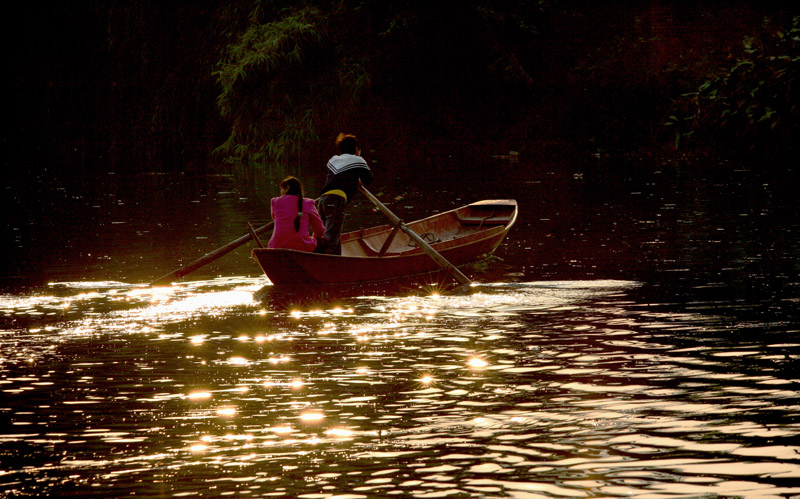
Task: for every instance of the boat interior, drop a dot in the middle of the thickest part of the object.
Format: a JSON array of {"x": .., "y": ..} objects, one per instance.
[{"x": 450, "y": 226}]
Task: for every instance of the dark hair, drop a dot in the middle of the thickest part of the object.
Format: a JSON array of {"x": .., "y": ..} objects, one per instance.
[
  {"x": 294, "y": 187},
  {"x": 347, "y": 143}
]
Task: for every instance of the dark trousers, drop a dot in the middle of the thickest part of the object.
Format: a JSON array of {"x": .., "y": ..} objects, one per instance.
[{"x": 331, "y": 209}]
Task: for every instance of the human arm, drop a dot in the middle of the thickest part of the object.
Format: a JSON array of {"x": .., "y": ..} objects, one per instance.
[{"x": 365, "y": 176}]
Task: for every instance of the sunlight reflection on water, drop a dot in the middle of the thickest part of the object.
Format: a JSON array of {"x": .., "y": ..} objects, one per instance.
[{"x": 543, "y": 389}]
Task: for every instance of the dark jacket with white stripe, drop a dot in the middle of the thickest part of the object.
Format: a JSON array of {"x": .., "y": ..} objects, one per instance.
[{"x": 344, "y": 172}]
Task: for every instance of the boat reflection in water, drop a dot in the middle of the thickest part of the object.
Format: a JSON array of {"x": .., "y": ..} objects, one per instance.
[{"x": 535, "y": 389}]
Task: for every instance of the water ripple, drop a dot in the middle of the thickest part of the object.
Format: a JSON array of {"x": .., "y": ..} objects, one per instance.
[{"x": 543, "y": 389}]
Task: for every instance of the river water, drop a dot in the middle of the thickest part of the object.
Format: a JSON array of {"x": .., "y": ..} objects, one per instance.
[{"x": 636, "y": 336}]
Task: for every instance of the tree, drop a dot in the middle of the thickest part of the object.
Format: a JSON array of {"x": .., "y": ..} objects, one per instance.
[
  {"x": 296, "y": 69},
  {"x": 750, "y": 104},
  {"x": 285, "y": 72}
]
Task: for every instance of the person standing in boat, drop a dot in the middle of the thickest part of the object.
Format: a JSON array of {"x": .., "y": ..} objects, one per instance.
[
  {"x": 294, "y": 217},
  {"x": 344, "y": 173}
]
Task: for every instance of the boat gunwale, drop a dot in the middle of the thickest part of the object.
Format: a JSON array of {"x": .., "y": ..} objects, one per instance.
[
  {"x": 478, "y": 236},
  {"x": 488, "y": 238},
  {"x": 484, "y": 235}
]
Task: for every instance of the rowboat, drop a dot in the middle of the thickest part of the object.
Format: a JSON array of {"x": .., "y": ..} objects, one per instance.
[{"x": 463, "y": 235}]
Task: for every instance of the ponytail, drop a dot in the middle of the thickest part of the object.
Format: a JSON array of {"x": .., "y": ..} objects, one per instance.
[
  {"x": 294, "y": 187},
  {"x": 299, "y": 212}
]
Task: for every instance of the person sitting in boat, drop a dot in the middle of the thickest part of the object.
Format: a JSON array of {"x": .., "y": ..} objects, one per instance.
[
  {"x": 344, "y": 173},
  {"x": 294, "y": 215}
]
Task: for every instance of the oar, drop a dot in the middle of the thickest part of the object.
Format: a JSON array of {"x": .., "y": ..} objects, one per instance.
[
  {"x": 435, "y": 256},
  {"x": 210, "y": 257}
]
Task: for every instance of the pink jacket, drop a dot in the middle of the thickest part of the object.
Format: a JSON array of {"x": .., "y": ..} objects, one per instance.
[{"x": 284, "y": 211}]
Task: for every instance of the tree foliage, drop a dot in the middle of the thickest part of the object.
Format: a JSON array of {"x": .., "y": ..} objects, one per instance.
[
  {"x": 156, "y": 86},
  {"x": 749, "y": 105},
  {"x": 277, "y": 77},
  {"x": 298, "y": 68}
]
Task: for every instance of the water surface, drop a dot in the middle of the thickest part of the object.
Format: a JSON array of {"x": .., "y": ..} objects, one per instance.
[
  {"x": 632, "y": 339},
  {"x": 531, "y": 389}
]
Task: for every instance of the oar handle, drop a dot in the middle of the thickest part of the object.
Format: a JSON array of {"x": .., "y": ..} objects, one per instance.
[{"x": 435, "y": 256}]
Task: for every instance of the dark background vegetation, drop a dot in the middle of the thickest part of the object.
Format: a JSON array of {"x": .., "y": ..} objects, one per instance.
[{"x": 249, "y": 86}]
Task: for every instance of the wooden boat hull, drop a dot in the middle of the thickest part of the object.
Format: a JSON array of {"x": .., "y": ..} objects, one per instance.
[{"x": 463, "y": 235}]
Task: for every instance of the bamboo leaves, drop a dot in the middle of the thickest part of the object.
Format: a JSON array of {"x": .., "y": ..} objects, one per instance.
[
  {"x": 263, "y": 50},
  {"x": 266, "y": 88}
]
